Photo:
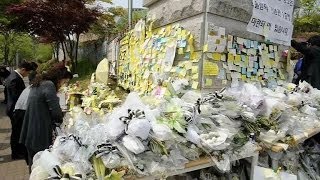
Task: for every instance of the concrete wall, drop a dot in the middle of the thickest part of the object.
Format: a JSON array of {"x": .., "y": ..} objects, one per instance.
[
  {"x": 188, "y": 13},
  {"x": 174, "y": 10},
  {"x": 94, "y": 51}
]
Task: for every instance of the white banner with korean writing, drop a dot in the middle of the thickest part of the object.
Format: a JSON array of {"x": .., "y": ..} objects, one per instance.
[{"x": 272, "y": 19}]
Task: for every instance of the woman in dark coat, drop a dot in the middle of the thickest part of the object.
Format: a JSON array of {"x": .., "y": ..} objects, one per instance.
[
  {"x": 43, "y": 111},
  {"x": 310, "y": 71}
]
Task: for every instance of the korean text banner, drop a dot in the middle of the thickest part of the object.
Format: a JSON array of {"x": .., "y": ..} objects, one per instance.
[{"x": 272, "y": 19}]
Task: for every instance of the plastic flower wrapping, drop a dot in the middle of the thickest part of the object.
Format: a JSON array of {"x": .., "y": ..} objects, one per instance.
[{"x": 142, "y": 137}]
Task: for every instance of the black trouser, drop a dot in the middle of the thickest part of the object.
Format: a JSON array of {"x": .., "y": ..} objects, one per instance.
[
  {"x": 18, "y": 150},
  {"x": 5, "y": 94},
  {"x": 31, "y": 154}
]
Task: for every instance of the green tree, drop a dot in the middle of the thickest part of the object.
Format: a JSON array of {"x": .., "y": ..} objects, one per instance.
[
  {"x": 122, "y": 24},
  {"x": 308, "y": 17},
  {"x": 7, "y": 35},
  {"x": 106, "y": 25},
  {"x": 115, "y": 21}
]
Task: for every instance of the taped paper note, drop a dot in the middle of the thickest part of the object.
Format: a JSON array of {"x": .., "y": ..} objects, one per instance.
[
  {"x": 208, "y": 82},
  {"x": 194, "y": 69},
  {"x": 223, "y": 57},
  {"x": 216, "y": 56},
  {"x": 210, "y": 69},
  {"x": 195, "y": 85},
  {"x": 170, "y": 55},
  {"x": 195, "y": 76}
]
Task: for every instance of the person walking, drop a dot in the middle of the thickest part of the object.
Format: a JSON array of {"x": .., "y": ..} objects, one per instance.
[
  {"x": 14, "y": 87},
  {"x": 18, "y": 115},
  {"x": 310, "y": 70},
  {"x": 43, "y": 111}
]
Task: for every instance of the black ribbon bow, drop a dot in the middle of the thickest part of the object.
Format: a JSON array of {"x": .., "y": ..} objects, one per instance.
[
  {"x": 132, "y": 114},
  {"x": 72, "y": 137},
  {"x": 106, "y": 148}
]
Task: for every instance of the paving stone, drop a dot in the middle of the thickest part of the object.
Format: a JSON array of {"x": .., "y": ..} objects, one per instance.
[{"x": 9, "y": 169}]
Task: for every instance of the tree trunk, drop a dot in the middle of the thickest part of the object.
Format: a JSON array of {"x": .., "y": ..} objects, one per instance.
[
  {"x": 70, "y": 52},
  {"x": 77, "y": 48},
  {"x": 64, "y": 49},
  {"x": 6, "y": 48},
  {"x": 57, "y": 51}
]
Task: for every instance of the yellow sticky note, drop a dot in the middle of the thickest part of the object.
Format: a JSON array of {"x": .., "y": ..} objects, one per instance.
[
  {"x": 193, "y": 55},
  {"x": 180, "y": 51},
  {"x": 244, "y": 77},
  {"x": 223, "y": 57},
  {"x": 210, "y": 69},
  {"x": 190, "y": 43},
  {"x": 184, "y": 33},
  {"x": 195, "y": 85},
  {"x": 237, "y": 59},
  {"x": 183, "y": 73},
  {"x": 281, "y": 74},
  {"x": 188, "y": 65},
  {"x": 188, "y": 49},
  {"x": 246, "y": 62},
  {"x": 195, "y": 76},
  {"x": 208, "y": 82},
  {"x": 216, "y": 56},
  {"x": 230, "y": 57},
  {"x": 194, "y": 69},
  {"x": 168, "y": 30},
  {"x": 205, "y": 48}
]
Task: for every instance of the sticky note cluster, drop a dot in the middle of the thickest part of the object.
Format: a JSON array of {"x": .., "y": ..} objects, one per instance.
[
  {"x": 241, "y": 59},
  {"x": 147, "y": 57}
]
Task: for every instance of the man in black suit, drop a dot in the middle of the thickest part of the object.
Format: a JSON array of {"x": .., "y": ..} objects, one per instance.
[{"x": 14, "y": 86}]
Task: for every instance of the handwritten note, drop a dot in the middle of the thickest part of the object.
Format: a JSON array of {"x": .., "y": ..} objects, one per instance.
[
  {"x": 210, "y": 69},
  {"x": 195, "y": 85},
  {"x": 216, "y": 56}
]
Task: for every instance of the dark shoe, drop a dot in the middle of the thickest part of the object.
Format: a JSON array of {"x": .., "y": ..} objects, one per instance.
[{"x": 4, "y": 102}]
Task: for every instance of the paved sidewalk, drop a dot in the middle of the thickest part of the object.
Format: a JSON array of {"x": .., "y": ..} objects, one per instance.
[{"x": 9, "y": 170}]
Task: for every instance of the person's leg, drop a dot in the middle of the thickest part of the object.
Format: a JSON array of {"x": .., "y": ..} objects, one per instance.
[
  {"x": 13, "y": 139},
  {"x": 5, "y": 95},
  {"x": 16, "y": 148},
  {"x": 31, "y": 154}
]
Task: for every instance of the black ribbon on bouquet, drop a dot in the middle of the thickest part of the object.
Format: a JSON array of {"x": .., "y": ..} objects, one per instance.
[
  {"x": 72, "y": 137},
  {"x": 132, "y": 114},
  {"x": 189, "y": 111},
  {"x": 209, "y": 98},
  {"x": 60, "y": 175},
  {"x": 106, "y": 148}
]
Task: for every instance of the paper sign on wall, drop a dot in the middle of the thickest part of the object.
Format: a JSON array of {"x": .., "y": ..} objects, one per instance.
[{"x": 273, "y": 19}]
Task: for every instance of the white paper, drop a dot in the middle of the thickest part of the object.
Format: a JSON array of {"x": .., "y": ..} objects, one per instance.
[
  {"x": 221, "y": 31},
  {"x": 170, "y": 55},
  {"x": 261, "y": 173},
  {"x": 272, "y": 19}
]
